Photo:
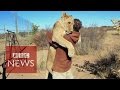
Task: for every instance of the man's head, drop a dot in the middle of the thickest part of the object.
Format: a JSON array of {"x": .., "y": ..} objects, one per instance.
[{"x": 77, "y": 25}]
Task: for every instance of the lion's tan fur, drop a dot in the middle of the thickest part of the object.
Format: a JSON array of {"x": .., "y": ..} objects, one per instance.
[{"x": 61, "y": 27}]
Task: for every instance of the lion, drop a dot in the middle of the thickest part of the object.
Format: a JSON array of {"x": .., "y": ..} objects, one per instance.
[{"x": 60, "y": 28}]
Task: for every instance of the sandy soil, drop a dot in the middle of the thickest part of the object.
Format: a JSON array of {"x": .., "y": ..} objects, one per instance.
[
  {"x": 42, "y": 73},
  {"x": 42, "y": 57}
]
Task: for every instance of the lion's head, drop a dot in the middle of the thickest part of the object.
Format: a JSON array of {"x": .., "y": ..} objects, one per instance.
[{"x": 67, "y": 22}]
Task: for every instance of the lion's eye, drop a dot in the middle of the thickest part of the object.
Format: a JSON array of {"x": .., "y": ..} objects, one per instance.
[{"x": 69, "y": 22}]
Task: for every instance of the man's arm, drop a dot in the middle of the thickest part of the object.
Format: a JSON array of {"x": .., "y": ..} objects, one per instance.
[{"x": 73, "y": 37}]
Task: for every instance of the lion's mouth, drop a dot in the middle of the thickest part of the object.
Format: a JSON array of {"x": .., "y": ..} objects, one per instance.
[{"x": 68, "y": 32}]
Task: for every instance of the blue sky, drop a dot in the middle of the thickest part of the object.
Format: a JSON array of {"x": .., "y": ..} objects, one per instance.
[{"x": 48, "y": 18}]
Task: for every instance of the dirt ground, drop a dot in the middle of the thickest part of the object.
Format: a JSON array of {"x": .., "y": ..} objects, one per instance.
[
  {"x": 42, "y": 72},
  {"x": 109, "y": 42},
  {"x": 41, "y": 69}
]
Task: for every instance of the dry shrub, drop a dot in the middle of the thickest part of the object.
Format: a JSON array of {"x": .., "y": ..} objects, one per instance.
[
  {"x": 2, "y": 36},
  {"x": 40, "y": 39},
  {"x": 106, "y": 67},
  {"x": 107, "y": 52},
  {"x": 91, "y": 40},
  {"x": 23, "y": 34}
]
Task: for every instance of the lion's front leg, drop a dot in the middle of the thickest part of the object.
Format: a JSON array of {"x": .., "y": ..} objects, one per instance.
[
  {"x": 50, "y": 58},
  {"x": 65, "y": 43}
]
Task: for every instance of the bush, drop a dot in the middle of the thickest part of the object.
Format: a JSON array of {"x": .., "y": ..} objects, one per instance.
[
  {"x": 105, "y": 68},
  {"x": 2, "y": 36},
  {"x": 34, "y": 29},
  {"x": 91, "y": 39},
  {"x": 23, "y": 34},
  {"x": 40, "y": 39}
]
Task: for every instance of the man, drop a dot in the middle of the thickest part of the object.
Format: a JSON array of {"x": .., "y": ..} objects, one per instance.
[{"x": 62, "y": 62}]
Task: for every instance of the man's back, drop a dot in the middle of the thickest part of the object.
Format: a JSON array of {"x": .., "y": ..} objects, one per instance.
[{"x": 62, "y": 61}]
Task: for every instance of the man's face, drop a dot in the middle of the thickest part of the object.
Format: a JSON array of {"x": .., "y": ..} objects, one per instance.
[{"x": 77, "y": 25}]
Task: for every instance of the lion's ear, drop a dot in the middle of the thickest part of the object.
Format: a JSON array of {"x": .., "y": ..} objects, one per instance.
[{"x": 65, "y": 15}]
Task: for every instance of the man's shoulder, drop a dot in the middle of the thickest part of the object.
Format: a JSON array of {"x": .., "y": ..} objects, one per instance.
[
  {"x": 74, "y": 36},
  {"x": 76, "y": 33}
]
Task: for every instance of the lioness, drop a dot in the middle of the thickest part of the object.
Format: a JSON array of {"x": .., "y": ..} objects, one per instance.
[
  {"x": 61, "y": 27},
  {"x": 62, "y": 62}
]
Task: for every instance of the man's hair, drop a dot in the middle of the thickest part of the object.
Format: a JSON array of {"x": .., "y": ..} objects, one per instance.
[{"x": 77, "y": 25}]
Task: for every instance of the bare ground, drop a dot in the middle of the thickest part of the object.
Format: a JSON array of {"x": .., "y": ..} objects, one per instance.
[
  {"x": 110, "y": 41},
  {"x": 42, "y": 73}
]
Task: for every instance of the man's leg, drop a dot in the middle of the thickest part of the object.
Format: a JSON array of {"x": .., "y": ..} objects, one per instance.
[{"x": 49, "y": 76}]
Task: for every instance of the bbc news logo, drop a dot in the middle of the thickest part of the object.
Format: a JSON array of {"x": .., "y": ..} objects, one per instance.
[{"x": 21, "y": 59}]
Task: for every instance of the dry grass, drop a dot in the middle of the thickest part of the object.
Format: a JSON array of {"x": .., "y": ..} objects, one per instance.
[
  {"x": 91, "y": 41},
  {"x": 97, "y": 46},
  {"x": 106, "y": 67},
  {"x": 40, "y": 39},
  {"x": 2, "y": 36},
  {"x": 107, "y": 58}
]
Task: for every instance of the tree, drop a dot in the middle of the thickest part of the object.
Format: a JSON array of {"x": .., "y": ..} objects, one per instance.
[{"x": 34, "y": 29}]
